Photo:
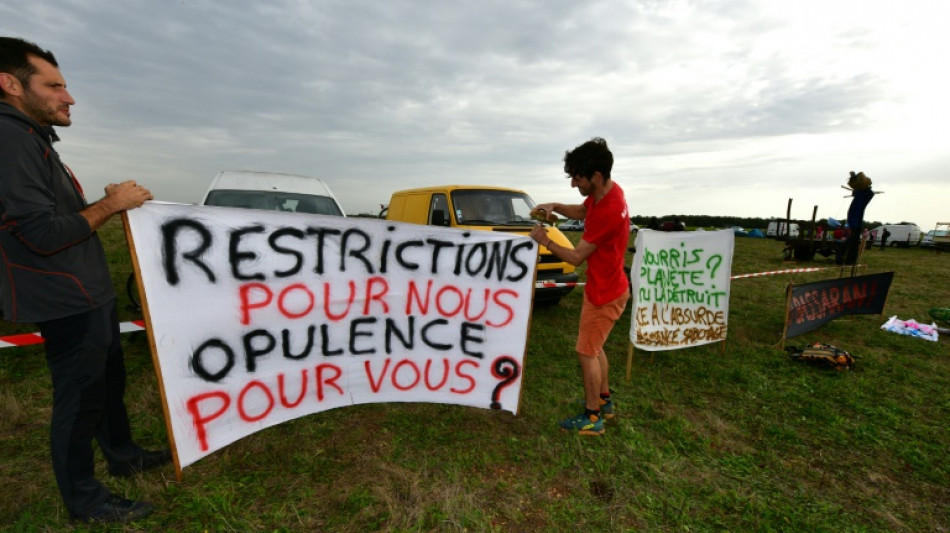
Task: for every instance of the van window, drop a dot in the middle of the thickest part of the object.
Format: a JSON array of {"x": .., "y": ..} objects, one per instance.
[
  {"x": 488, "y": 207},
  {"x": 274, "y": 201},
  {"x": 439, "y": 210}
]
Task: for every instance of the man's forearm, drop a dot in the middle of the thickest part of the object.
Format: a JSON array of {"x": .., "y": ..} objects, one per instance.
[
  {"x": 575, "y": 211},
  {"x": 98, "y": 213}
]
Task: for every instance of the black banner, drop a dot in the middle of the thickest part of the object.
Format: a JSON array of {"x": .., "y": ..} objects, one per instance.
[{"x": 814, "y": 304}]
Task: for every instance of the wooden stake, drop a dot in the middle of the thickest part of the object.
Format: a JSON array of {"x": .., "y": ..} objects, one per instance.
[
  {"x": 788, "y": 306},
  {"x": 629, "y": 360},
  {"x": 150, "y": 332}
]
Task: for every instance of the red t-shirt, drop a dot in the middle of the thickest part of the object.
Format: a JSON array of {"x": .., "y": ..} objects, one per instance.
[{"x": 606, "y": 226}]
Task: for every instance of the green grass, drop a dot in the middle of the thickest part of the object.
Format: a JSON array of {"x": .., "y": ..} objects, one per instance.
[{"x": 740, "y": 439}]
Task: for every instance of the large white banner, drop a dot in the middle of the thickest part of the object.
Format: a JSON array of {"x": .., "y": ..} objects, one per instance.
[
  {"x": 261, "y": 317},
  {"x": 680, "y": 288}
]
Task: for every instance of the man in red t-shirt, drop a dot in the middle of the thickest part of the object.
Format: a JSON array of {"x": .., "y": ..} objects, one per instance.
[{"x": 603, "y": 245}]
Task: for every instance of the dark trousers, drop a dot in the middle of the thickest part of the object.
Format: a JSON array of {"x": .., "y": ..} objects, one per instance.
[{"x": 85, "y": 360}]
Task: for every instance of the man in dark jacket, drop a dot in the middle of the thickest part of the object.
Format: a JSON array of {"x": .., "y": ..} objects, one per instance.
[{"x": 53, "y": 272}]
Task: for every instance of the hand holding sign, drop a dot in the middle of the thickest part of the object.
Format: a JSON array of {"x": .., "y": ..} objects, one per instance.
[{"x": 542, "y": 215}]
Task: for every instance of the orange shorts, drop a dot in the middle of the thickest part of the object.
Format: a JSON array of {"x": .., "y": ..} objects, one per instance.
[{"x": 596, "y": 323}]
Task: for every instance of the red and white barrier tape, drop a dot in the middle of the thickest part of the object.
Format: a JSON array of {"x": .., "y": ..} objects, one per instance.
[
  {"x": 549, "y": 285},
  {"x": 774, "y": 272},
  {"x": 29, "y": 339},
  {"x": 790, "y": 271}
]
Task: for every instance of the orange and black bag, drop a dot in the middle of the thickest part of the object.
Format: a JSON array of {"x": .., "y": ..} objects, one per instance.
[{"x": 823, "y": 355}]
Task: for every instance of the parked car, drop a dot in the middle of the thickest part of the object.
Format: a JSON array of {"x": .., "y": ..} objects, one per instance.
[
  {"x": 273, "y": 192},
  {"x": 778, "y": 230},
  {"x": 940, "y": 235},
  {"x": 670, "y": 225},
  {"x": 927, "y": 241},
  {"x": 905, "y": 234},
  {"x": 739, "y": 231},
  {"x": 571, "y": 225},
  {"x": 578, "y": 225},
  {"x": 269, "y": 191}
]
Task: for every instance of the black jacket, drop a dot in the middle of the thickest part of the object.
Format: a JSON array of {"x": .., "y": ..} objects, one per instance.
[{"x": 51, "y": 264}]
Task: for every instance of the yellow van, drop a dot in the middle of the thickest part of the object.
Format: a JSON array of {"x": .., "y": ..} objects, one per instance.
[{"x": 488, "y": 209}]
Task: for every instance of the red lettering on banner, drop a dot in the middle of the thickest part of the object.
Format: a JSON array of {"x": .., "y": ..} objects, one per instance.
[
  {"x": 327, "y": 298},
  {"x": 242, "y": 412},
  {"x": 303, "y": 390},
  {"x": 467, "y": 377},
  {"x": 199, "y": 420},
  {"x": 406, "y": 368},
  {"x": 330, "y": 382},
  {"x": 445, "y": 311},
  {"x": 445, "y": 374},
  {"x": 821, "y": 303},
  {"x": 375, "y": 384},
  {"x": 326, "y": 376},
  {"x": 281, "y": 301},
  {"x": 415, "y": 371},
  {"x": 247, "y": 305},
  {"x": 468, "y": 305},
  {"x": 511, "y": 312},
  {"x": 372, "y": 295},
  {"x": 860, "y": 291},
  {"x": 413, "y": 295}
]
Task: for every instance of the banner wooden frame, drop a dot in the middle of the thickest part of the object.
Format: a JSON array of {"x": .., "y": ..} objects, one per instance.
[{"x": 150, "y": 332}]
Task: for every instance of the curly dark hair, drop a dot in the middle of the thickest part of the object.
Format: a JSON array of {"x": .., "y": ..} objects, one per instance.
[
  {"x": 14, "y": 59},
  {"x": 591, "y": 157}
]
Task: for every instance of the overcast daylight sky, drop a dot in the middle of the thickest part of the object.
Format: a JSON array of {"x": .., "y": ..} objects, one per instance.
[{"x": 710, "y": 107}]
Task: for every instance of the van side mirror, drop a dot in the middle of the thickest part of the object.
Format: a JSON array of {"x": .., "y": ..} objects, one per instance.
[{"x": 438, "y": 218}]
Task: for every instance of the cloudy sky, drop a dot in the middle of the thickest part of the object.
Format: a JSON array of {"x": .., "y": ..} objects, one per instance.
[{"x": 727, "y": 107}]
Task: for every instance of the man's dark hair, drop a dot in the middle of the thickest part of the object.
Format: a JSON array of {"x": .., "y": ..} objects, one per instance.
[
  {"x": 14, "y": 59},
  {"x": 588, "y": 158}
]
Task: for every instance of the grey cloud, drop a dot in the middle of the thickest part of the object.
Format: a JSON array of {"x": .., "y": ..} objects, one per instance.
[{"x": 380, "y": 95}]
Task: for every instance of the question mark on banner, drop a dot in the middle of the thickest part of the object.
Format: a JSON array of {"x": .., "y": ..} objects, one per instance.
[
  {"x": 506, "y": 369},
  {"x": 714, "y": 259}
]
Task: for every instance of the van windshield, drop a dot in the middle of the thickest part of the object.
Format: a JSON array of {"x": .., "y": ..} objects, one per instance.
[
  {"x": 487, "y": 207},
  {"x": 274, "y": 201}
]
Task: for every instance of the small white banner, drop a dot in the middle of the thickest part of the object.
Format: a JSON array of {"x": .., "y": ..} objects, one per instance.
[{"x": 680, "y": 288}]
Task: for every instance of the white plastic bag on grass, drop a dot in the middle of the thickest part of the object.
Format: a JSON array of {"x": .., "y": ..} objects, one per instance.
[{"x": 911, "y": 327}]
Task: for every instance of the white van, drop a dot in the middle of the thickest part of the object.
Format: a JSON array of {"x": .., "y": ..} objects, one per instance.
[
  {"x": 903, "y": 235},
  {"x": 273, "y": 192},
  {"x": 776, "y": 230}
]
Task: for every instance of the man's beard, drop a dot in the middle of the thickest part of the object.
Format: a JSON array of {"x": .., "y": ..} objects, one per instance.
[{"x": 42, "y": 112}]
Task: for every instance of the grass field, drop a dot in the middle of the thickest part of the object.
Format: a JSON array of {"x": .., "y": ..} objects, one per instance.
[{"x": 741, "y": 439}]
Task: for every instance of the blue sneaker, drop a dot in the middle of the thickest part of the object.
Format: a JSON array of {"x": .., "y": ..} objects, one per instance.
[{"x": 583, "y": 424}]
